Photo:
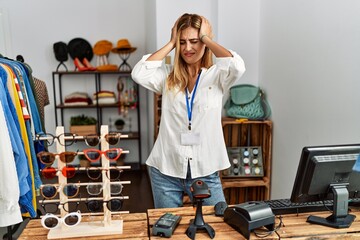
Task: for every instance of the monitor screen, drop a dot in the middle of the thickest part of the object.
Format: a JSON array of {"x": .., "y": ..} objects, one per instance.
[{"x": 325, "y": 172}]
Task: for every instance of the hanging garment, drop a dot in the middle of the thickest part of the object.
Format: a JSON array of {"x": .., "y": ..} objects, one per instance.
[
  {"x": 20, "y": 140},
  {"x": 42, "y": 97},
  {"x": 9, "y": 190}
]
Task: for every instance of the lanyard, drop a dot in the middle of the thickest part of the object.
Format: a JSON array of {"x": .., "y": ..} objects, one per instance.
[{"x": 190, "y": 106}]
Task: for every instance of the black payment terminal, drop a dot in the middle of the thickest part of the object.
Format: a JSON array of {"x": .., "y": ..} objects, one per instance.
[{"x": 166, "y": 225}]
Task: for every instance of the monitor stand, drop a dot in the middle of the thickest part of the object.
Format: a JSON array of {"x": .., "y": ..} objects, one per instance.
[{"x": 340, "y": 217}]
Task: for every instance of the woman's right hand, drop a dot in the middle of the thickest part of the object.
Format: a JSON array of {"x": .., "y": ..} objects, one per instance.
[{"x": 174, "y": 33}]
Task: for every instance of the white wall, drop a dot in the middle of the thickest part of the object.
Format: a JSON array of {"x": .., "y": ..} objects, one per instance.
[
  {"x": 238, "y": 25},
  {"x": 35, "y": 25},
  {"x": 305, "y": 54},
  {"x": 309, "y": 66}
]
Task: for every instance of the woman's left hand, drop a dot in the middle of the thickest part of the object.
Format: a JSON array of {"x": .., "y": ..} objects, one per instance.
[{"x": 205, "y": 28}]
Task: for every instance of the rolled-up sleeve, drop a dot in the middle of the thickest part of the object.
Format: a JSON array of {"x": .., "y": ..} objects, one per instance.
[
  {"x": 232, "y": 68},
  {"x": 150, "y": 74}
]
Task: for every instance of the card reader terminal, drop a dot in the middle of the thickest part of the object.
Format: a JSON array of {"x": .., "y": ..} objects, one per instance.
[{"x": 166, "y": 225}]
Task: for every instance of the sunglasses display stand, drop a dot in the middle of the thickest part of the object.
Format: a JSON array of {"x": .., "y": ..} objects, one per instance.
[{"x": 106, "y": 226}]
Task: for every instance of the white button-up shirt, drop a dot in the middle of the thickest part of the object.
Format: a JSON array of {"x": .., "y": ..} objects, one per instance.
[{"x": 168, "y": 155}]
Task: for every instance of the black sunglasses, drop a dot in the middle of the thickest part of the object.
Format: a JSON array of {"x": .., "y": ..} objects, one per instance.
[
  {"x": 93, "y": 139},
  {"x": 113, "y": 205}
]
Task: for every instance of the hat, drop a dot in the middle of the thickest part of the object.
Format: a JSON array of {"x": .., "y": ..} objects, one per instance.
[
  {"x": 102, "y": 47},
  {"x": 80, "y": 48},
  {"x": 60, "y": 51},
  {"x": 123, "y": 46},
  {"x": 107, "y": 68}
]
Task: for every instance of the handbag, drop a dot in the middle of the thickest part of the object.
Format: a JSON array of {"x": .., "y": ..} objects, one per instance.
[{"x": 247, "y": 101}]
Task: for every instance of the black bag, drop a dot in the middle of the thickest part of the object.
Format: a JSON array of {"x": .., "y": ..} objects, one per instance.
[
  {"x": 61, "y": 51},
  {"x": 247, "y": 101}
]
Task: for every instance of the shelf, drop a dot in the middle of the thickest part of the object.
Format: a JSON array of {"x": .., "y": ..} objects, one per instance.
[
  {"x": 226, "y": 121},
  {"x": 125, "y": 73},
  {"x": 230, "y": 183},
  {"x": 60, "y": 78},
  {"x": 112, "y": 105}
]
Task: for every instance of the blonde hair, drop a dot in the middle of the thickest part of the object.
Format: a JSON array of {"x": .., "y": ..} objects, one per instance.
[{"x": 178, "y": 77}]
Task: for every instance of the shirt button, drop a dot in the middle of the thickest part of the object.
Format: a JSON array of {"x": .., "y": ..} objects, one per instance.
[
  {"x": 209, "y": 87},
  {"x": 190, "y": 159}
]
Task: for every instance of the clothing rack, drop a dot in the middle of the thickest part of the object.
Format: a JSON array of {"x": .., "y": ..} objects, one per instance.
[{"x": 17, "y": 70}]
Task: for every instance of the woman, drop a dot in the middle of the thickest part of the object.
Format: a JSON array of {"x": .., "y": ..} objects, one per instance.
[{"x": 190, "y": 144}]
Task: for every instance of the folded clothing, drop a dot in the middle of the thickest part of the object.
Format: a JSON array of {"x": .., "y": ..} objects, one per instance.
[
  {"x": 77, "y": 98},
  {"x": 104, "y": 97},
  {"x": 107, "y": 68},
  {"x": 105, "y": 101}
]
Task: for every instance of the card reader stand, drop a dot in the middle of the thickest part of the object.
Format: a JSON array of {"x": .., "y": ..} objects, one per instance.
[
  {"x": 198, "y": 223},
  {"x": 248, "y": 216}
]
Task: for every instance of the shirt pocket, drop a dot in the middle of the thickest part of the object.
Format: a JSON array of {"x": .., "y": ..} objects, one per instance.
[
  {"x": 210, "y": 97},
  {"x": 174, "y": 103}
]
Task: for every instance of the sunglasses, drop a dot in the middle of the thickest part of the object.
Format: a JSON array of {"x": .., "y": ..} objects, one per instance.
[
  {"x": 51, "y": 221},
  {"x": 97, "y": 205},
  {"x": 50, "y": 172},
  {"x": 96, "y": 189},
  {"x": 94, "y": 155},
  {"x": 95, "y": 173},
  {"x": 112, "y": 138},
  {"x": 48, "y": 158},
  {"x": 49, "y": 191},
  {"x": 54, "y": 207},
  {"x": 47, "y": 139}
]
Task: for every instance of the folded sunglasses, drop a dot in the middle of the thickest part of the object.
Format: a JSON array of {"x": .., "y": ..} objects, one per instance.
[
  {"x": 48, "y": 158},
  {"x": 51, "y": 221},
  {"x": 50, "y": 172},
  {"x": 64, "y": 139},
  {"x": 112, "y": 138},
  {"x": 95, "y": 189},
  {"x": 95, "y": 173},
  {"x": 94, "y": 155},
  {"x": 53, "y": 207},
  {"x": 113, "y": 205},
  {"x": 49, "y": 191}
]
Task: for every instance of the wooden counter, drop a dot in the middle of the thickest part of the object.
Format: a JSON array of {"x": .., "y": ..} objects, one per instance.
[
  {"x": 135, "y": 226},
  {"x": 294, "y": 226}
]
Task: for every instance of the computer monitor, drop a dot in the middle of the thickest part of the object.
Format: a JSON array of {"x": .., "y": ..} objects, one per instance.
[{"x": 325, "y": 172}]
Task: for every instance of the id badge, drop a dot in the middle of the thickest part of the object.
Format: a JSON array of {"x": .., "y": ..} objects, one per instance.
[{"x": 190, "y": 138}]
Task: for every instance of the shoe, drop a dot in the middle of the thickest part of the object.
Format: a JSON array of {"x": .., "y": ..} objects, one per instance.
[
  {"x": 79, "y": 65},
  {"x": 88, "y": 65}
]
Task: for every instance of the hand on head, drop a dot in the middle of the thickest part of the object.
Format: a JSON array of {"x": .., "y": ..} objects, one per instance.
[
  {"x": 174, "y": 33},
  {"x": 205, "y": 28}
]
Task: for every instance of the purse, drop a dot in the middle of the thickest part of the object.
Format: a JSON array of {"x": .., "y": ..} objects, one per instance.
[{"x": 247, "y": 101}]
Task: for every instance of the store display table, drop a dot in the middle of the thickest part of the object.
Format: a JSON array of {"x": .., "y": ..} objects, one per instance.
[
  {"x": 135, "y": 226},
  {"x": 139, "y": 225}
]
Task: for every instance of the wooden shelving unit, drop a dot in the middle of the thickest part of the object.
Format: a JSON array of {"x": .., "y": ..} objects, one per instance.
[{"x": 238, "y": 133}]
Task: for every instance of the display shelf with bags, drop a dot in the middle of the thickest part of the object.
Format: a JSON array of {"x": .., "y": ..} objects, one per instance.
[{"x": 124, "y": 104}]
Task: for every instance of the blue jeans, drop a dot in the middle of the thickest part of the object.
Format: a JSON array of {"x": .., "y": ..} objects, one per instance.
[{"x": 168, "y": 191}]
